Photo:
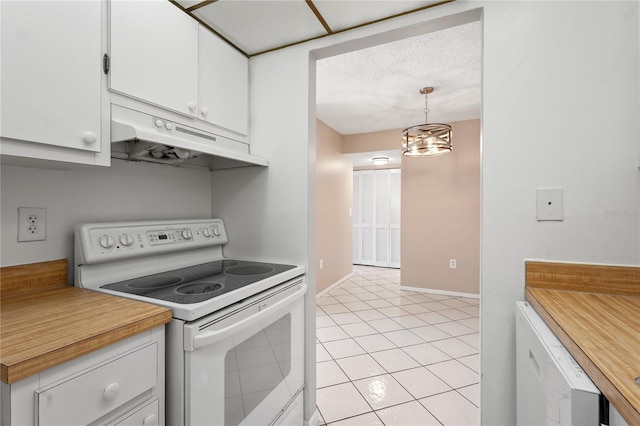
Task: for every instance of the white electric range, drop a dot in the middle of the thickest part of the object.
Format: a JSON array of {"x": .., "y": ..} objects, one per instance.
[{"x": 235, "y": 345}]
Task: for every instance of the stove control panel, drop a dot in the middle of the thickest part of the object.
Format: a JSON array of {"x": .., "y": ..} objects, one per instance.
[
  {"x": 170, "y": 236},
  {"x": 97, "y": 243}
]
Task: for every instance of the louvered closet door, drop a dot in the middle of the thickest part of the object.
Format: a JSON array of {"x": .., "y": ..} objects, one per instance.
[
  {"x": 376, "y": 217},
  {"x": 367, "y": 217},
  {"x": 355, "y": 215},
  {"x": 394, "y": 218},
  {"x": 381, "y": 242}
]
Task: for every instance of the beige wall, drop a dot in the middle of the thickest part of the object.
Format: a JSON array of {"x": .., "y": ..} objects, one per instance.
[
  {"x": 374, "y": 141},
  {"x": 441, "y": 216},
  {"x": 440, "y": 208},
  {"x": 334, "y": 184}
]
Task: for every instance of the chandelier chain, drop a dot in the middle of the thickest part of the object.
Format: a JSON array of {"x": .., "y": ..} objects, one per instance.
[{"x": 426, "y": 108}]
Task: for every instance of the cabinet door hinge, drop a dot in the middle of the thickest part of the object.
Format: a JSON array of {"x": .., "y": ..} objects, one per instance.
[{"x": 106, "y": 63}]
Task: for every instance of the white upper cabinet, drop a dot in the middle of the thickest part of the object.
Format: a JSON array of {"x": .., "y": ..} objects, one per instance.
[
  {"x": 162, "y": 56},
  {"x": 52, "y": 80},
  {"x": 154, "y": 54},
  {"x": 223, "y": 79}
]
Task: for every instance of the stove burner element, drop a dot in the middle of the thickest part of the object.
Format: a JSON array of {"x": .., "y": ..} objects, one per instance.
[
  {"x": 154, "y": 282},
  {"x": 199, "y": 288},
  {"x": 249, "y": 270},
  {"x": 200, "y": 282},
  {"x": 222, "y": 264}
]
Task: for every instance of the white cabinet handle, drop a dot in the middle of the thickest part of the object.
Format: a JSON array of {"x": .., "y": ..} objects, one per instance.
[
  {"x": 111, "y": 391},
  {"x": 204, "y": 111},
  {"x": 192, "y": 106},
  {"x": 212, "y": 336},
  {"x": 150, "y": 420},
  {"x": 89, "y": 137}
]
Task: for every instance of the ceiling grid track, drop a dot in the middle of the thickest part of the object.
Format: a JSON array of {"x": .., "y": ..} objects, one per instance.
[
  {"x": 196, "y": 12},
  {"x": 315, "y": 11}
]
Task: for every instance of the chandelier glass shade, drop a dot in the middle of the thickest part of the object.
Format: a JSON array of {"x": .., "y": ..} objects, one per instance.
[{"x": 426, "y": 139}]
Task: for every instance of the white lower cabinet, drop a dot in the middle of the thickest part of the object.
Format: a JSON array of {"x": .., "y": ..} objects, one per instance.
[
  {"x": 122, "y": 384},
  {"x": 148, "y": 415}
]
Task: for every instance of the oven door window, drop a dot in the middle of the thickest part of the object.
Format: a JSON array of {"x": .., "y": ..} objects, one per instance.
[
  {"x": 256, "y": 368},
  {"x": 250, "y": 376}
]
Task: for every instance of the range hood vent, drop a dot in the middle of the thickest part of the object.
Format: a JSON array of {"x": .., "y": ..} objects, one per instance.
[{"x": 155, "y": 139}]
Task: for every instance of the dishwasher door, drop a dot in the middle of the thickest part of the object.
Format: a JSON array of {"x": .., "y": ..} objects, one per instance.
[{"x": 552, "y": 389}]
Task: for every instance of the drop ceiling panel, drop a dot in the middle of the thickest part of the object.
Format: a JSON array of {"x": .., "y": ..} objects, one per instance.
[
  {"x": 188, "y": 3},
  {"x": 255, "y": 26},
  {"x": 341, "y": 14}
]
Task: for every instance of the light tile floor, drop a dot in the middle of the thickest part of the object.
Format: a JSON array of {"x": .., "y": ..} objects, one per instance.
[{"x": 387, "y": 356}]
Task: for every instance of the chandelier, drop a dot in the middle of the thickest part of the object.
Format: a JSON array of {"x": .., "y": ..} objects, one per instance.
[{"x": 426, "y": 139}]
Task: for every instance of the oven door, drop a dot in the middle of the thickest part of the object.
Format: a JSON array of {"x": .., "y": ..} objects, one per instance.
[{"x": 245, "y": 364}]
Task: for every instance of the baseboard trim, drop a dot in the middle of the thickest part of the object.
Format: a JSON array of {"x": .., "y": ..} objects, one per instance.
[
  {"x": 441, "y": 292},
  {"x": 334, "y": 285},
  {"x": 314, "y": 420}
]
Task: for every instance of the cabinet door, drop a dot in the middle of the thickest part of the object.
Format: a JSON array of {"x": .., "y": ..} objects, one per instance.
[
  {"x": 51, "y": 72},
  {"x": 223, "y": 79},
  {"x": 89, "y": 396},
  {"x": 154, "y": 54}
]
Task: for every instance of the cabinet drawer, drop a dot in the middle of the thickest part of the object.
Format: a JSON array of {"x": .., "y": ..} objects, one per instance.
[
  {"x": 145, "y": 416},
  {"x": 89, "y": 396}
]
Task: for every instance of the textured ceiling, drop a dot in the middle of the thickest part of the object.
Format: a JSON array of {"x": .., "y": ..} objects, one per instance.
[{"x": 379, "y": 88}]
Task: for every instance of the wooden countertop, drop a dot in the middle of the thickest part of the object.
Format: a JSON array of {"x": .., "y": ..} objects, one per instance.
[
  {"x": 43, "y": 324},
  {"x": 595, "y": 312}
]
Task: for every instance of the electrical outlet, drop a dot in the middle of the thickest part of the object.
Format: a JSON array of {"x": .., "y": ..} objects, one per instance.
[
  {"x": 452, "y": 263},
  {"x": 32, "y": 224},
  {"x": 321, "y": 263}
]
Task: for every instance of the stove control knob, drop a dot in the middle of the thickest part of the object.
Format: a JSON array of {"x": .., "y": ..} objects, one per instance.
[
  {"x": 107, "y": 242},
  {"x": 126, "y": 240},
  {"x": 186, "y": 234},
  {"x": 216, "y": 230},
  {"x": 206, "y": 232}
]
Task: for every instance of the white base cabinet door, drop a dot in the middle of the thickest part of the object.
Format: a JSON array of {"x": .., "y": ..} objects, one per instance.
[
  {"x": 52, "y": 78},
  {"x": 120, "y": 384}
]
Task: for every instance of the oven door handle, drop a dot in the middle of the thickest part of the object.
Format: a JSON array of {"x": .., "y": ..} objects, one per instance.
[{"x": 211, "y": 336}]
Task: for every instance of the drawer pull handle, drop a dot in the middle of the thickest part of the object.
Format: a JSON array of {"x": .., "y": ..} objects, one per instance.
[
  {"x": 150, "y": 420},
  {"x": 111, "y": 391}
]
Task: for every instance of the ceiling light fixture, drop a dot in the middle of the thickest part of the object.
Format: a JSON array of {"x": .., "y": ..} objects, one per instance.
[
  {"x": 380, "y": 161},
  {"x": 426, "y": 139}
]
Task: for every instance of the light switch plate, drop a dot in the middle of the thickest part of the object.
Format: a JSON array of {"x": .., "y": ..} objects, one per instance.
[{"x": 549, "y": 204}]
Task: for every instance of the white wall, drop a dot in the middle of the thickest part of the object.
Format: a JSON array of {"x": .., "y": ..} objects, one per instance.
[
  {"x": 548, "y": 105},
  {"x": 268, "y": 212},
  {"x": 124, "y": 191},
  {"x": 558, "y": 79}
]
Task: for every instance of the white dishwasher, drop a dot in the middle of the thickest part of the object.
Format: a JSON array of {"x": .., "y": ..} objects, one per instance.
[{"x": 552, "y": 389}]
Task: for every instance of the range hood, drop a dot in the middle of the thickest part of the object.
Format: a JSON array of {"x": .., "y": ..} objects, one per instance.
[{"x": 145, "y": 137}]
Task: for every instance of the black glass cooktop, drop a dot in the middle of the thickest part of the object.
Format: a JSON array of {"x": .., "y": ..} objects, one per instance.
[{"x": 200, "y": 282}]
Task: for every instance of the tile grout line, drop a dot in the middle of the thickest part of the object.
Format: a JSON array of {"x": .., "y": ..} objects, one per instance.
[{"x": 361, "y": 282}]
